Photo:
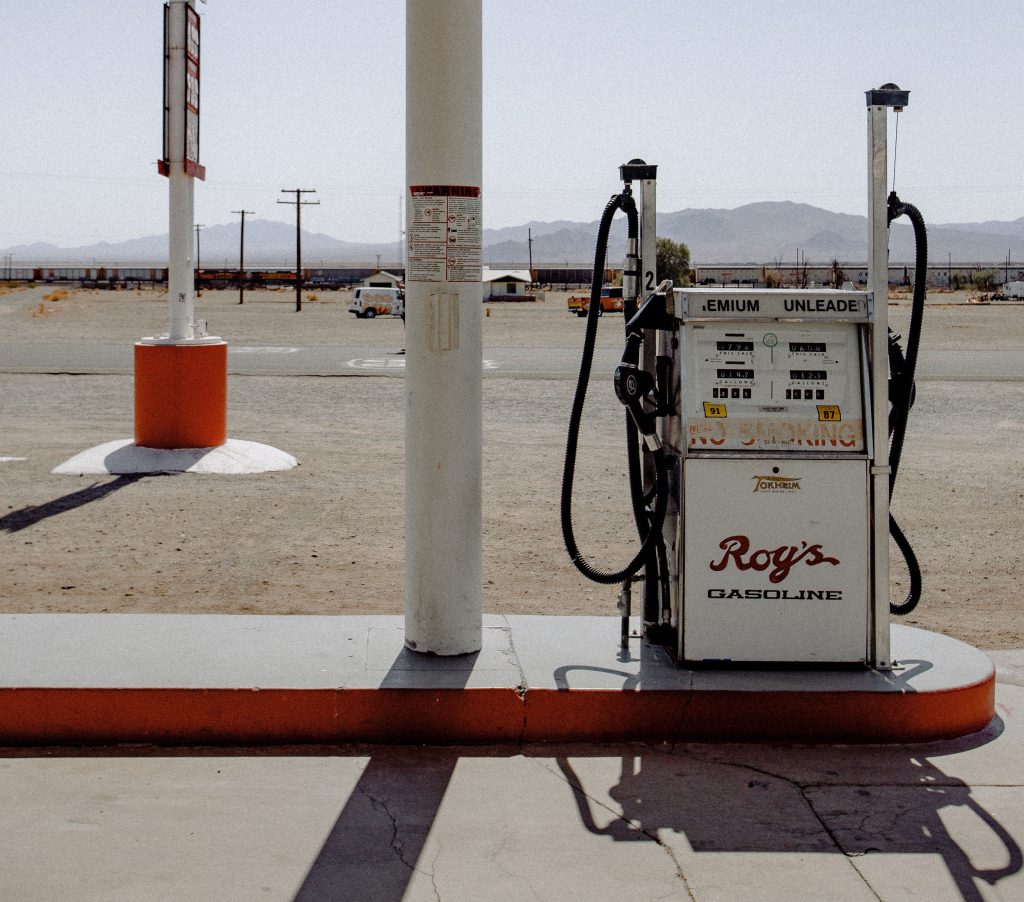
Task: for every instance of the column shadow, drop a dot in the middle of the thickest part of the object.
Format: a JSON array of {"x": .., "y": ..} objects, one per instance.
[{"x": 374, "y": 847}]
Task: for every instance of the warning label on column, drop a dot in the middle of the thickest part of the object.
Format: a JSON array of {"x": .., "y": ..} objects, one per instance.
[{"x": 445, "y": 234}]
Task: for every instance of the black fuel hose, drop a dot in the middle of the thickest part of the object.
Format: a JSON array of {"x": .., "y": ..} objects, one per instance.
[
  {"x": 902, "y": 366},
  {"x": 648, "y": 526}
]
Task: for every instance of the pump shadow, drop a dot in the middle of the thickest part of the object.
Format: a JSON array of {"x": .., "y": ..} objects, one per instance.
[{"x": 882, "y": 800}]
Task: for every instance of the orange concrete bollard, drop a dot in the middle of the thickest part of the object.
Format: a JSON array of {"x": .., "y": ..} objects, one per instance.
[{"x": 181, "y": 395}]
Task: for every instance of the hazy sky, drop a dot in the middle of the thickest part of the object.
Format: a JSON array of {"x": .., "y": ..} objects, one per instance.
[{"x": 735, "y": 101}]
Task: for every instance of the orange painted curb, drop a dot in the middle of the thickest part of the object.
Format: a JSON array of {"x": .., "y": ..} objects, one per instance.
[
  {"x": 740, "y": 716},
  {"x": 258, "y": 716},
  {"x": 181, "y": 395},
  {"x": 476, "y": 716}
]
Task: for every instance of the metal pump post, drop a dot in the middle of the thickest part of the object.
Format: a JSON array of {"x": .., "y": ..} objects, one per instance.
[{"x": 878, "y": 102}]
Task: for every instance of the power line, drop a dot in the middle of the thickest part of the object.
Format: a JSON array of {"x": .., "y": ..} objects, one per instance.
[{"x": 298, "y": 203}]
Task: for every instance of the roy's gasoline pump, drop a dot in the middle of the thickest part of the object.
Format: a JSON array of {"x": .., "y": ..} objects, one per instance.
[{"x": 764, "y": 434}]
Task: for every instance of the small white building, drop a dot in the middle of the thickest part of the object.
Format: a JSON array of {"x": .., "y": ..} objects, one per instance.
[
  {"x": 382, "y": 279},
  {"x": 505, "y": 284}
]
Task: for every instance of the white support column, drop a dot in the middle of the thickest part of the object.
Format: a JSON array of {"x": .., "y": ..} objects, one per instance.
[
  {"x": 180, "y": 300},
  {"x": 878, "y": 280},
  {"x": 444, "y": 347}
]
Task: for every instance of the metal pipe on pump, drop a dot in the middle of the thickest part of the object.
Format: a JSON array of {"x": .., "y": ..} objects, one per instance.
[{"x": 878, "y": 103}]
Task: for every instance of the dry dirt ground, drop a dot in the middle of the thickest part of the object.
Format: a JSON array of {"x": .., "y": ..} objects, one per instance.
[{"x": 327, "y": 537}]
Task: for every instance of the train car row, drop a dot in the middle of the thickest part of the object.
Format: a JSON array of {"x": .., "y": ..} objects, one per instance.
[{"x": 130, "y": 276}]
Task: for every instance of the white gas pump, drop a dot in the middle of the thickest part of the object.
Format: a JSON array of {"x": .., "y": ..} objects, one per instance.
[
  {"x": 769, "y": 535},
  {"x": 767, "y": 417}
]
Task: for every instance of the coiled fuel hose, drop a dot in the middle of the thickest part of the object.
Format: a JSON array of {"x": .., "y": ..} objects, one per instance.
[
  {"x": 902, "y": 366},
  {"x": 649, "y": 526}
]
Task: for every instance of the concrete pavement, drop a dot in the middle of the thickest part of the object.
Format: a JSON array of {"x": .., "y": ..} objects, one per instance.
[
  {"x": 936, "y": 821},
  {"x": 941, "y": 820}
]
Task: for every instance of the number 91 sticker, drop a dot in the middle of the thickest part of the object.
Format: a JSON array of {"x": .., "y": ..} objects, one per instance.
[{"x": 714, "y": 411}]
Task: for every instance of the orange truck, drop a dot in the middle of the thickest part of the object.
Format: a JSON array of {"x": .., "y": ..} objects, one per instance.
[{"x": 611, "y": 301}]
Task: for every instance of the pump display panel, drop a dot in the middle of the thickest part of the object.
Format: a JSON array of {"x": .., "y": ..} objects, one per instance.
[{"x": 773, "y": 386}]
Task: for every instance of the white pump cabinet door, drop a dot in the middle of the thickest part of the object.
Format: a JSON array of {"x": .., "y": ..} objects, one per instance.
[{"x": 776, "y": 560}]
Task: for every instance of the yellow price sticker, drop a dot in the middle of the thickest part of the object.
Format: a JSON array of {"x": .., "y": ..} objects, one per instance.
[
  {"x": 829, "y": 413},
  {"x": 715, "y": 411}
]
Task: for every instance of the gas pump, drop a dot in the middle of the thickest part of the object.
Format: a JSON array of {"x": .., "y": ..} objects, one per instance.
[{"x": 772, "y": 423}]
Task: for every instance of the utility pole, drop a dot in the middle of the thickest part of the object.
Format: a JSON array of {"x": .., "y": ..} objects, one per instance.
[
  {"x": 529, "y": 246},
  {"x": 241, "y": 257},
  {"x": 195, "y": 281},
  {"x": 298, "y": 203}
]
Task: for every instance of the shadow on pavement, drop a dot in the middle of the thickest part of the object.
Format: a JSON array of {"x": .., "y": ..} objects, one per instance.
[
  {"x": 29, "y": 516},
  {"x": 893, "y": 806},
  {"x": 375, "y": 846}
]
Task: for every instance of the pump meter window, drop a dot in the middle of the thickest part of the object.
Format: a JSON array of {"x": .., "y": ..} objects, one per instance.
[{"x": 772, "y": 385}]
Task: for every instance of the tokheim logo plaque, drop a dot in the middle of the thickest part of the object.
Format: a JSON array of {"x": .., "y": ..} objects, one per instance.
[{"x": 777, "y": 483}]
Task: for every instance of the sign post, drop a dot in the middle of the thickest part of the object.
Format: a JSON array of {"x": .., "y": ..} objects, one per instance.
[{"x": 181, "y": 378}]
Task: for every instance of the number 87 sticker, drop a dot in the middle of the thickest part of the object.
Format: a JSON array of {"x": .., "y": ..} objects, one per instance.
[{"x": 829, "y": 413}]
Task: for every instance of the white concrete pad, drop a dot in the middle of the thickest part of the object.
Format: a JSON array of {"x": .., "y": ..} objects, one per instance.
[
  {"x": 368, "y": 651},
  {"x": 123, "y": 456}
]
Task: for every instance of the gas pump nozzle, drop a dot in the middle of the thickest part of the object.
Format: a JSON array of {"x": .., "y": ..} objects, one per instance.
[{"x": 634, "y": 386}]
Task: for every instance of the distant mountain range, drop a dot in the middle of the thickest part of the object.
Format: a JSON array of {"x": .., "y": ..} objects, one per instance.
[{"x": 754, "y": 233}]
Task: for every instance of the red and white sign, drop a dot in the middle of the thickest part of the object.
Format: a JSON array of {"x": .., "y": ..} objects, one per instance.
[
  {"x": 445, "y": 234},
  {"x": 192, "y": 166},
  {"x": 190, "y": 150}
]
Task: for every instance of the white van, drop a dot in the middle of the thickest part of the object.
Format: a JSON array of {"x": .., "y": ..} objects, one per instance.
[{"x": 370, "y": 302}]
